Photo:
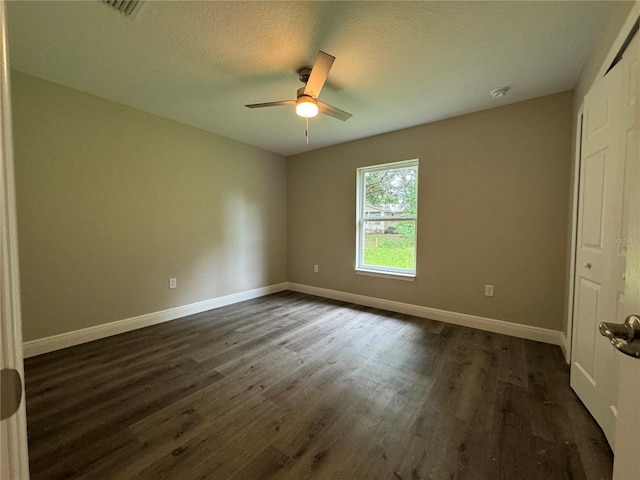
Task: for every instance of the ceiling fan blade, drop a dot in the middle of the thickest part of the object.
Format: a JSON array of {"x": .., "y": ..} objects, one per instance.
[
  {"x": 334, "y": 112},
  {"x": 319, "y": 73},
  {"x": 272, "y": 104}
]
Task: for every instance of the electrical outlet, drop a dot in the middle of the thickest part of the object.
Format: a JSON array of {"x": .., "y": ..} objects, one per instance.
[
  {"x": 315, "y": 268},
  {"x": 488, "y": 290},
  {"x": 173, "y": 282}
]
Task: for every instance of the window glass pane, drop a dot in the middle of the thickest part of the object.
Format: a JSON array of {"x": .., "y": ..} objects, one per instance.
[
  {"x": 390, "y": 244},
  {"x": 391, "y": 192}
]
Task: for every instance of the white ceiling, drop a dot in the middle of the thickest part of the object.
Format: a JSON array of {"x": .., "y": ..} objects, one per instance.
[{"x": 398, "y": 64}]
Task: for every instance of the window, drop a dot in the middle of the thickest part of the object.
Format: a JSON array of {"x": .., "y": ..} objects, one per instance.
[{"x": 387, "y": 214}]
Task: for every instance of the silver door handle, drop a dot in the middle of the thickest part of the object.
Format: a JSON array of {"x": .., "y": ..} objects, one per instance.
[{"x": 624, "y": 336}]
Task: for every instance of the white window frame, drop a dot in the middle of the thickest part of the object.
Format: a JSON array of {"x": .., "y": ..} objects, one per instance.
[{"x": 361, "y": 217}]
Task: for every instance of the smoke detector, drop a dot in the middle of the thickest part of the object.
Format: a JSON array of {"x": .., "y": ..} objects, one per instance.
[
  {"x": 499, "y": 92},
  {"x": 126, "y": 7}
]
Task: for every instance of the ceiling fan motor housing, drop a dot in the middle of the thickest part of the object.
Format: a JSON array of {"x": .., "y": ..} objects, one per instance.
[{"x": 304, "y": 73}]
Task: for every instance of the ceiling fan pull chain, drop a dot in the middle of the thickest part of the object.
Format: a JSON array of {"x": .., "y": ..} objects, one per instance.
[{"x": 306, "y": 132}]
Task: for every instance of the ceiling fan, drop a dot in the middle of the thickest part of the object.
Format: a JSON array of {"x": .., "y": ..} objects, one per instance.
[{"x": 307, "y": 104}]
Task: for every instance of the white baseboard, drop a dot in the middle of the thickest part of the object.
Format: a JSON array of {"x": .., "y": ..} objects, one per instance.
[
  {"x": 482, "y": 323},
  {"x": 76, "y": 337}
]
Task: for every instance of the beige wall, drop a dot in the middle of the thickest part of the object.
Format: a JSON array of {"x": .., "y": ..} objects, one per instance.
[
  {"x": 493, "y": 203},
  {"x": 113, "y": 201}
]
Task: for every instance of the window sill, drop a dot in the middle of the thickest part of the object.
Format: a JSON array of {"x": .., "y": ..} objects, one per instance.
[{"x": 407, "y": 277}]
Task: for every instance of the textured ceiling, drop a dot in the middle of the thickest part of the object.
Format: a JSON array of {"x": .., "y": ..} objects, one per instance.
[{"x": 398, "y": 64}]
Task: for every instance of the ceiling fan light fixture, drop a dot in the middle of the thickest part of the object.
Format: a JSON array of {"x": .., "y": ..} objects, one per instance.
[{"x": 306, "y": 106}]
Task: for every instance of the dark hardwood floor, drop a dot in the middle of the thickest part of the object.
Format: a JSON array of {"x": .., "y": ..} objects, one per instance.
[{"x": 291, "y": 386}]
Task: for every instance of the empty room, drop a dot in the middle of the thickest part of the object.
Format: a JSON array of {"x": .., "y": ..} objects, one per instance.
[{"x": 320, "y": 240}]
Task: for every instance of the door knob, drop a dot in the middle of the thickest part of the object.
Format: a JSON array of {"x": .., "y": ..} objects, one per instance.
[
  {"x": 587, "y": 265},
  {"x": 624, "y": 336}
]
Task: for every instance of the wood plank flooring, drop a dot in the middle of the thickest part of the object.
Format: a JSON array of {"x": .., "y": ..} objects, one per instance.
[{"x": 292, "y": 386}]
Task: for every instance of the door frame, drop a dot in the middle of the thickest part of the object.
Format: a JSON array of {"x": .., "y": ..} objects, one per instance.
[
  {"x": 577, "y": 165},
  {"x": 623, "y": 33},
  {"x": 13, "y": 430}
]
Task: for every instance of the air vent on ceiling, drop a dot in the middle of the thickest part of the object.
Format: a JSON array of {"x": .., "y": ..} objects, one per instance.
[{"x": 126, "y": 7}]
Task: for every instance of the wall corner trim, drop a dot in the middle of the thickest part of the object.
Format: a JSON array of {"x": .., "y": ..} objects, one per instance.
[
  {"x": 76, "y": 337},
  {"x": 565, "y": 346},
  {"x": 528, "y": 332}
]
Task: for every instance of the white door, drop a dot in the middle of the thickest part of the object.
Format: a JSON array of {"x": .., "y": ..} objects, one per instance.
[
  {"x": 599, "y": 254},
  {"x": 627, "y": 451},
  {"x": 13, "y": 427}
]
